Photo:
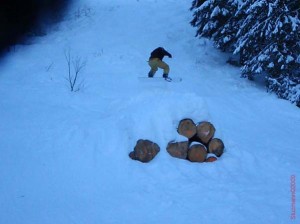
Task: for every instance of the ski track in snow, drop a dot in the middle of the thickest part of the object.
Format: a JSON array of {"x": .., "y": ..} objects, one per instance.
[{"x": 64, "y": 156}]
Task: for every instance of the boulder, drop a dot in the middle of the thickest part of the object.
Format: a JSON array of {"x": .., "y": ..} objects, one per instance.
[
  {"x": 211, "y": 159},
  {"x": 187, "y": 128},
  {"x": 197, "y": 153},
  {"x": 216, "y": 146},
  {"x": 205, "y": 131},
  {"x": 144, "y": 151},
  {"x": 178, "y": 149}
]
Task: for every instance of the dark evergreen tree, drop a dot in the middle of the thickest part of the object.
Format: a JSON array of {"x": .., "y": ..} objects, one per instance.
[
  {"x": 284, "y": 63},
  {"x": 211, "y": 16},
  {"x": 265, "y": 34},
  {"x": 269, "y": 40},
  {"x": 18, "y": 18},
  {"x": 225, "y": 38}
]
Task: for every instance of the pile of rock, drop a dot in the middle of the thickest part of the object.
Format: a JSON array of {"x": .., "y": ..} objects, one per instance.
[{"x": 199, "y": 145}]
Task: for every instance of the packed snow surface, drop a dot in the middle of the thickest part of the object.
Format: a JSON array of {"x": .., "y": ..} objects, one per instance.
[{"x": 64, "y": 155}]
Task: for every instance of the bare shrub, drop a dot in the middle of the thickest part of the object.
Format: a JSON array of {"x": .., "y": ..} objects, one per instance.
[{"x": 75, "y": 66}]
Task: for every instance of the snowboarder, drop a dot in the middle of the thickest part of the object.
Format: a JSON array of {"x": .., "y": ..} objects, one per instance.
[{"x": 155, "y": 62}]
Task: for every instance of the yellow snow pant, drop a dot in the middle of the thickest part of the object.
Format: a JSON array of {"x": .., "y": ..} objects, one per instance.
[{"x": 155, "y": 63}]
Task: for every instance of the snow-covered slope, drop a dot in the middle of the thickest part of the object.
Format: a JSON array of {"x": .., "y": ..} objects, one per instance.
[{"x": 64, "y": 155}]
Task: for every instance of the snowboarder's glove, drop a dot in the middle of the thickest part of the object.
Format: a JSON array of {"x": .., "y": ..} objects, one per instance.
[{"x": 170, "y": 56}]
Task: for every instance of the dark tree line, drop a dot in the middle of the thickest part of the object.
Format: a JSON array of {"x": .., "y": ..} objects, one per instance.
[
  {"x": 18, "y": 18},
  {"x": 265, "y": 35}
]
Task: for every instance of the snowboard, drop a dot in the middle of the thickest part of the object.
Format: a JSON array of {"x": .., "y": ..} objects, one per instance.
[{"x": 159, "y": 79}]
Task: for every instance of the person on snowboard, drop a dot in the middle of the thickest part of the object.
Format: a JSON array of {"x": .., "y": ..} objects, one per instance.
[{"x": 155, "y": 61}]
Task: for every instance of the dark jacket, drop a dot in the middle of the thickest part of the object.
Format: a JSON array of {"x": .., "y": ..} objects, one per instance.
[{"x": 159, "y": 53}]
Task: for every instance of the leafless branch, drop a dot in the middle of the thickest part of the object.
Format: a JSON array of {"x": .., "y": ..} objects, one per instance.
[{"x": 78, "y": 64}]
